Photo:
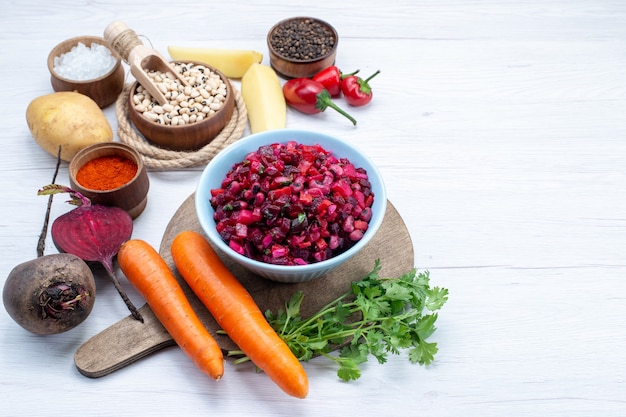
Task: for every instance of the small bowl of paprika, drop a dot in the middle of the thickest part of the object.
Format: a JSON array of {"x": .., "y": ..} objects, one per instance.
[
  {"x": 111, "y": 174},
  {"x": 300, "y": 47}
]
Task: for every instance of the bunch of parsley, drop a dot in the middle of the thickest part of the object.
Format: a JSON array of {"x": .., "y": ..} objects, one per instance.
[{"x": 378, "y": 316}]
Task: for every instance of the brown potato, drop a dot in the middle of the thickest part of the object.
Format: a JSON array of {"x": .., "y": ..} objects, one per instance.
[{"x": 67, "y": 119}]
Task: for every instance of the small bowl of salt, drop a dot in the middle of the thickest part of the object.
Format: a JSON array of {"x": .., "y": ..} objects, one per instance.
[{"x": 88, "y": 65}]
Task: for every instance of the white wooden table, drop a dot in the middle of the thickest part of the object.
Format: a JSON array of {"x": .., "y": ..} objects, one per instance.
[{"x": 500, "y": 128}]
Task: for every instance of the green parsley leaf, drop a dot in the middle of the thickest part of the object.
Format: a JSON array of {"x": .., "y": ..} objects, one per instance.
[
  {"x": 377, "y": 317},
  {"x": 348, "y": 370},
  {"x": 356, "y": 352},
  {"x": 423, "y": 353},
  {"x": 437, "y": 297},
  {"x": 425, "y": 326}
]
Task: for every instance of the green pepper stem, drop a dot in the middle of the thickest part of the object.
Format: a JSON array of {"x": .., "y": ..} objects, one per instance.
[
  {"x": 340, "y": 110},
  {"x": 324, "y": 101},
  {"x": 342, "y": 76},
  {"x": 366, "y": 81}
]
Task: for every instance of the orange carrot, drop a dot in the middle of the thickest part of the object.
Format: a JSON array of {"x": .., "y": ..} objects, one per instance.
[
  {"x": 148, "y": 272},
  {"x": 236, "y": 312}
]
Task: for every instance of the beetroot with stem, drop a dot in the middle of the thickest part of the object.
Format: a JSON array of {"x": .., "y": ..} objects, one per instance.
[
  {"x": 49, "y": 294},
  {"x": 92, "y": 232}
]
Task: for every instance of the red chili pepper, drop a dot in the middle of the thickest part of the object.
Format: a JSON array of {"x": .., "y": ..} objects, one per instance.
[
  {"x": 331, "y": 78},
  {"x": 357, "y": 91},
  {"x": 310, "y": 97}
]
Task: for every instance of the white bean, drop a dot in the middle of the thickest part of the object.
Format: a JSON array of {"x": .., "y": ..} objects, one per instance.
[
  {"x": 211, "y": 84},
  {"x": 205, "y": 94},
  {"x": 150, "y": 116}
]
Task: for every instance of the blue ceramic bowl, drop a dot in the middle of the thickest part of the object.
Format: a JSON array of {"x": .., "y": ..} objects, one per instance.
[{"x": 217, "y": 168}]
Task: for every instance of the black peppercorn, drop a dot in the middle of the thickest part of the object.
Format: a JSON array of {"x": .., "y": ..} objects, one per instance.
[{"x": 302, "y": 39}]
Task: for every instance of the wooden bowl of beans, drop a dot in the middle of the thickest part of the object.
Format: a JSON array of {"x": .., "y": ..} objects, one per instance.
[
  {"x": 111, "y": 174},
  {"x": 193, "y": 115},
  {"x": 88, "y": 65},
  {"x": 302, "y": 46}
]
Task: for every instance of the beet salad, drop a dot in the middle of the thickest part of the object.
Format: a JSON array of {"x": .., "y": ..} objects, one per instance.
[{"x": 292, "y": 204}]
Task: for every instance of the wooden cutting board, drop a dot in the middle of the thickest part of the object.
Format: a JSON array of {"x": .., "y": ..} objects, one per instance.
[{"x": 130, "y": 340}]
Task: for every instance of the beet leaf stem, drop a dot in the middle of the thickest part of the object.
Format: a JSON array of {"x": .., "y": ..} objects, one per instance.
[
  {"x": 41, "y": 243},
  {"x": 116, "y": 283}
]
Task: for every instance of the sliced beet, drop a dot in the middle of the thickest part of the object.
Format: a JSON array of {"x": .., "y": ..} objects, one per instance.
[{"x": 92, "y": 232}]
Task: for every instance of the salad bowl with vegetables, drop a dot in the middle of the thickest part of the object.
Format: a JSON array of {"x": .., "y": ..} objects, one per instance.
[{"x": 290, "y": 205}]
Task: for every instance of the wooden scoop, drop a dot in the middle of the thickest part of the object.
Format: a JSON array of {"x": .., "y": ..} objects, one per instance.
[{"x": 140, "y": 58}]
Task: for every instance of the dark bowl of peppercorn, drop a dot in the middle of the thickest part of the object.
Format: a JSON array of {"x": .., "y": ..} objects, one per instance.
[{"x": 302, "y": 46}]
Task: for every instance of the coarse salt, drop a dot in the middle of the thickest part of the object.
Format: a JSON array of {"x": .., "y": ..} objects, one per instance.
[{"x": 83, "y": 63}]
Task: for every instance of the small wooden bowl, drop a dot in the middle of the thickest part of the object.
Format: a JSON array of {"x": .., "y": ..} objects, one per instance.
[
  {"x": 189, "y": 137},
  {"x": 103, "y": 90},
  {"x": 132, "y": 196},
  {"x": 289, "y": 67}
]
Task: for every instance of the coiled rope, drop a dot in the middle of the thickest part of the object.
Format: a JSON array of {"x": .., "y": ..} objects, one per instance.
[{"x": 159, "y": 158}]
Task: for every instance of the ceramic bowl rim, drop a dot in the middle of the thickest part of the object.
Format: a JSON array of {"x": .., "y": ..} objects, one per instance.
[{"x": 251, "y": 143}]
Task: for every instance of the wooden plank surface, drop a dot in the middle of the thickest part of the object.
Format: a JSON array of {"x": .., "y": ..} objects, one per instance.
[{"x": 499, "y": 127}]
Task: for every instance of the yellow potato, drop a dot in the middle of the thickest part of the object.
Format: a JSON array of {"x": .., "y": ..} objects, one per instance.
[
  {"x": 233, "y": 63},
  {"x": 263, "y": 95},
  {"x": 67, "y": 119}
]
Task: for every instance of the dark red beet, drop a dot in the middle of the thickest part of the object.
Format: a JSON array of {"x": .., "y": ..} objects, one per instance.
[
  {"x": 94, "y": 233},
  {"x": 292, "y": 204},
  {"x": 50, "y": 294}
]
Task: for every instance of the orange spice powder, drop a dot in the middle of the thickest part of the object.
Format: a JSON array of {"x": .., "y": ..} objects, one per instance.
[{"x": 106, "y": 172}]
